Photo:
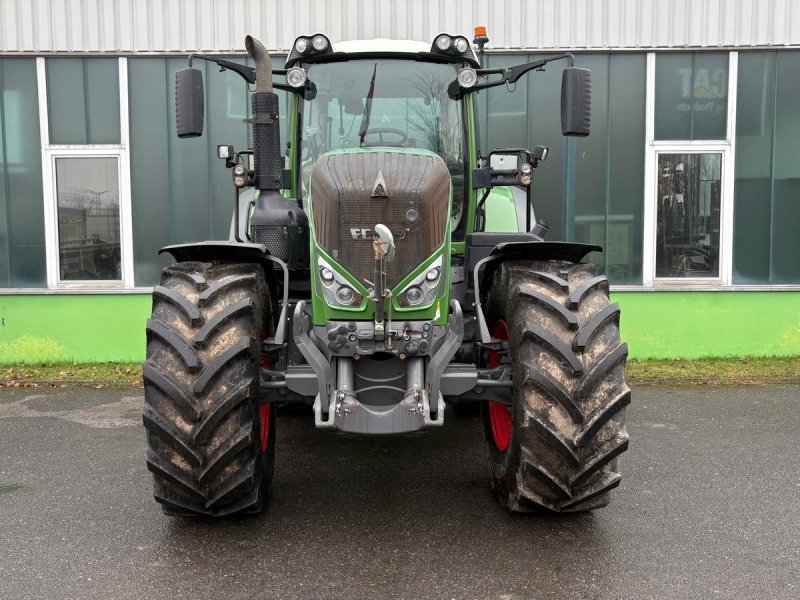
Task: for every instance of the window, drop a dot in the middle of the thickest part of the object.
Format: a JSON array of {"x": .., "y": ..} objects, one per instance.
[
  {"x": 691, "y": 96},
  {"x": 688, "y": 211},
  {"x": 384, "y": 102},
  {"x": 83, "y": 100},
  {"x": 87, "y": 196},
  {"x": 689, "y": 191},
  {"x": 86, "y": 172}
]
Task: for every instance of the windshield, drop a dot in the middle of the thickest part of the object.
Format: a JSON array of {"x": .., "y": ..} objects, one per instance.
[{"x": 380, "y": 102}]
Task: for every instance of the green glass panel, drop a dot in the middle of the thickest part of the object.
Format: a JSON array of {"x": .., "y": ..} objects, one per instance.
[
  {"x": 691, "y": 96},
  {"x": 767, "y": 177},
  {"x": 22, "y": 243},
  {"x": 83, "y": 100},
  {"x": 588, "y": 189},
  {"x": 181, "y": 192},
  {"x": 152, "y": 137},
  {"x": 755, "y": 118},
  {"x": 710, "y": 106},
  {"x": 609, "y": 166},
  {"x": 590, "y": 162},
  {"x": 786, "y": 172},
  {"x": 673, "y": 116},
  {"x": 544, "y": 129},
  {"x": 625, "y": 179}
]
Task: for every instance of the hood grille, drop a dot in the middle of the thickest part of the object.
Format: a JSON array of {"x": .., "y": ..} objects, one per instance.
[{"x": 344, "y": 212}]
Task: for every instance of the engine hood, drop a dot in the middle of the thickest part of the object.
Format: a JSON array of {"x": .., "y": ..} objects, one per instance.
[{"x": 352, "y": 190}]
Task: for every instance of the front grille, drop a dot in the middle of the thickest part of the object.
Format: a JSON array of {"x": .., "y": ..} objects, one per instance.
[
  {"x": 357, "y": 217},
  {"x": 345, "y": 213}
]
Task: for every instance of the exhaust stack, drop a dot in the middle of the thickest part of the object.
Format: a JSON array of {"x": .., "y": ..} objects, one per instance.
[{"x": 278, "y": 222}]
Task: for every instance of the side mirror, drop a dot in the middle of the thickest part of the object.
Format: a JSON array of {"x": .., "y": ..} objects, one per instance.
[
  {"x": 576, "y": 101},
  {"x": 189, "y": 102}
]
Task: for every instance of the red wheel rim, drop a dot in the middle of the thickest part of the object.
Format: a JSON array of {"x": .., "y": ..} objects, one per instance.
[
  {"x": 499, "y": 416},
  {"x": 265, "y": 410},
  {"x": 264, "y": 413}
]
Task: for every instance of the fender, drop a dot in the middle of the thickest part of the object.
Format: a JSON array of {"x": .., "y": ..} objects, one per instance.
[
  {"x": 238, "y": 252},
  {"x": 487, "y": 251},
  {"x": 222, "y": 250}
]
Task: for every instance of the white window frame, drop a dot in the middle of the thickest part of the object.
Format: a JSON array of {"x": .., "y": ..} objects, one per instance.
[
  {"x": 653, "y": 147},
  {"x": 51, "y": 152}
]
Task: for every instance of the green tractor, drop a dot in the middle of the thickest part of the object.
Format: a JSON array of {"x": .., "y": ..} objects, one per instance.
[{"x": 377, "y": 269}]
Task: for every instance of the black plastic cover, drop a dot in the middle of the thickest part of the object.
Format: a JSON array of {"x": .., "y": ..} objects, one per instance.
[
  {"x": 576, "y": 101},
  {"x": 189, "y": 102}
]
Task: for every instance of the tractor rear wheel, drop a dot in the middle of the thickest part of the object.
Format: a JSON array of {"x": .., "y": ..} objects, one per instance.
[
  {"x": 555, "y": 448},
  {"x": 210, "y": 444}
]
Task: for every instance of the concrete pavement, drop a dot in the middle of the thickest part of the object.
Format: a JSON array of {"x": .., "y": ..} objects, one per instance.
[{"x": 708, "y": 508}]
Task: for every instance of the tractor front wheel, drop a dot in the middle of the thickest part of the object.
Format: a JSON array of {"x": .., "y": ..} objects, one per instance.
[
  {"x": 210, "y": 444},
  {"x": 555, "y": 448}
]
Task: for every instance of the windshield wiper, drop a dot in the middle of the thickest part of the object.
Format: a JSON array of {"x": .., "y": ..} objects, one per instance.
[{"x": 362, "y": 132}]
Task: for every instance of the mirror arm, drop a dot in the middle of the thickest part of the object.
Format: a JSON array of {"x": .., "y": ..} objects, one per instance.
[
  {"x": 512, "y": 74},
  {"x": 245, "y": 72}
]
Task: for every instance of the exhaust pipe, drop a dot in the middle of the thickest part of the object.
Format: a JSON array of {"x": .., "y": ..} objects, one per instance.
[
  {"x": 266, "y": 133},
  {"x": 259, "y": 54},
  {"x": 277, "y": 222}
]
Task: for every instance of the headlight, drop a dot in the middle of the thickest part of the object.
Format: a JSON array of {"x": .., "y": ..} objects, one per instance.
[
  {"x": 414, "y": 295},
  {"x": 319, "y": 42},
  {"x": 296, "y": 77},
  {"x": 335, "y": 289},
  {"x": 467, "y": 77},
  {"x": 345, "y": 295},
  {"x": 443, "y": 42},
  {"x": 422, "y": 290},
  {"x": 301, "y": 45},
  {"x": 461, "y": 45}
]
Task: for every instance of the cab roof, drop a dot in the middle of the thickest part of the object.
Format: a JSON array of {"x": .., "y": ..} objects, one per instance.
[{"x": 409, "y": 49}]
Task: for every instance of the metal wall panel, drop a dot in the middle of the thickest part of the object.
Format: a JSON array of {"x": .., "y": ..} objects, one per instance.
[{"x": 163, "y": 26}]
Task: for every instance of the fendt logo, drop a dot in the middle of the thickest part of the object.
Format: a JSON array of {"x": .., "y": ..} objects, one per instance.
[
  {"x": 366, "y": 233},
  {"x": 361, "y": 234}
]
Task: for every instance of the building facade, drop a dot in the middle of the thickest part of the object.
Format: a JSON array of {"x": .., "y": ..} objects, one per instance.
[{"x": 690, "y": 179}]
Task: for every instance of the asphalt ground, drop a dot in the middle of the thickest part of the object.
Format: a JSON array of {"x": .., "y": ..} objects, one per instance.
[{"x": 709, "y": 507}]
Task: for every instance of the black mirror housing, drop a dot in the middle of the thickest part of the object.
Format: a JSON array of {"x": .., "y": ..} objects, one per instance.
[
  {"x": 576, "y": 101},
  {"x": 189, "y": 102}
]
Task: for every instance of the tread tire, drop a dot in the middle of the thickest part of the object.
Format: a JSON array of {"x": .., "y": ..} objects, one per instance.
[
  {"x": 201, "y": 387},
  {"x": 569, "y": 394}
]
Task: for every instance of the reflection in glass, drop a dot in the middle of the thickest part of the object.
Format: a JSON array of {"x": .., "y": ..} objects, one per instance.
[
  {"x": 766, "y": 233},
  {"x": 687, "y": 242},
  {"x": 691, "y": 95},
  {"x": 83, "y": 100},
  {"x": 88, "y": 218}
]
